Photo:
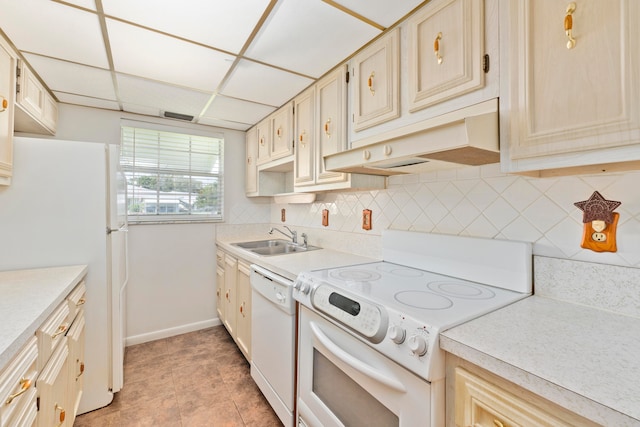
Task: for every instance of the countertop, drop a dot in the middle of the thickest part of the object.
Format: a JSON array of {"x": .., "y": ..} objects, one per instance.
[
  {"x": 290, "y": 265},
  {"x": 585, "y": 359},
  {"x": 27, "y": 298}
]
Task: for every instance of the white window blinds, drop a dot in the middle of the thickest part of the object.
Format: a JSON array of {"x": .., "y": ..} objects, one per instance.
[{"x": 172, "y": 176}]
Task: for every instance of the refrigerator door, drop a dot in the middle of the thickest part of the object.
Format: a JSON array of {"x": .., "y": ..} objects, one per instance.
[{"x": 117, "y": 242}]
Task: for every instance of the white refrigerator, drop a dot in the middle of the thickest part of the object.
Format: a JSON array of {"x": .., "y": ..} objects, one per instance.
[{"x": 67, "y": 205}]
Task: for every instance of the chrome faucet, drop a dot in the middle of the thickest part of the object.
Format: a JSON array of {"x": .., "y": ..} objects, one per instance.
[{"x": 293, "y": 237}]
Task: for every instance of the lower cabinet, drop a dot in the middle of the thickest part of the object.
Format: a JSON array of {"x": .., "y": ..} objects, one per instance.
[
  {"x": 233, "y": 290},
  {"x": 53, "y": 389},
  {"x": 243, "y": 315},
  {"x": 485, "y": 400},
  {"x": 18, "y": 393}
]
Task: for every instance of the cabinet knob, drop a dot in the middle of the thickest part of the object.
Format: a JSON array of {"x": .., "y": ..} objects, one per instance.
[
  {"x": 61, "y": 330},
  {"x": 366, "y": 155},
  {"x": 387, "y": 150},
  {"x": 302, "y": 138},
  {"x": 262, "y": 141},
  {"x": 81, "y": 301},
  {"x": 279, "y": 132},
  {"x": 436, "y": 47},
  {"x": 63, "y": 414},
  {"x": 81, "y": 370},
  {"x": 326, "y": 127},
  {"x": 5, "y": 103},
  {"x": 568, "y": 25}
]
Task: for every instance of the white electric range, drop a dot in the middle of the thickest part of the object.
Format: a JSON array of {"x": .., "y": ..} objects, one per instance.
[{"x": 369, "y": 333}]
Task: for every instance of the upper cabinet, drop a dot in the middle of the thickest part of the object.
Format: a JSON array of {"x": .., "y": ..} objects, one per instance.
[
  {"x": 281, "y": 133},
  {"x": 446, "y": 51},
  {"x": 571, "y": 100},
  {"x": 376, "y": 79},
  {"x": 7, "y": 97},
  {"x": 251, "y": 166},
  {"x": 320, "y": 126},
  {"x": 36, "y": 110}
]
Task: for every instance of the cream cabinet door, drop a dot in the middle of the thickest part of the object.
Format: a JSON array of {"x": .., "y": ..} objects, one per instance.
[
  {"x": 7, "y": 99},
  {"x": 220, "y": 299},
  {"x": 376, "y": 82},
  {"x": 243, "y": 324},
  {"x": 230, "y": 297},
  {"x": 76, "y": 341},
  {"x": 251, "y": 166},
  {"x": 53, "y": 384},
  {"x": 18, "y": 387},
  {"x": 281, "y": 141},
  {"x": 331, "y": 103},
  {"x": 446, "y": 50},
  {"x": 572, "y": 97},
  {"x": 264, "y": 141},
  {"x": 304, "y": 170}
]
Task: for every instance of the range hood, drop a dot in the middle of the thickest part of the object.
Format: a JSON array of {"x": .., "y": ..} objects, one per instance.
[{"x": 468, "y": 136}]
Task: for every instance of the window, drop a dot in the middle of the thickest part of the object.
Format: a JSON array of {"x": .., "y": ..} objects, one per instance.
[{"x": 172, "y": 176}]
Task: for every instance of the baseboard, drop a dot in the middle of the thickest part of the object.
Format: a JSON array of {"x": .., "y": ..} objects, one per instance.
[{"x": 165, "y": 333}]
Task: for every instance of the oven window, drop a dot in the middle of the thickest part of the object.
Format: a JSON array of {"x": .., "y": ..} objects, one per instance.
[{"x": 352, "y": 404}]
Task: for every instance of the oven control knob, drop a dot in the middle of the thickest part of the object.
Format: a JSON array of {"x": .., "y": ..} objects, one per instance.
[
  {"x": 397, "y": 334},
  {"x": 418, "y": 345},
  {"x": 304, "y": 288}
]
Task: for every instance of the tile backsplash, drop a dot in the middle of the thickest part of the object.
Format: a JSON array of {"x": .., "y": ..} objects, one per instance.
[{"x": 476, "y": 201}]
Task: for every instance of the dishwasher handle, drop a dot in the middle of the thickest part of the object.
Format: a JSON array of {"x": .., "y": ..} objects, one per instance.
[{"x": 270, "y": 275}]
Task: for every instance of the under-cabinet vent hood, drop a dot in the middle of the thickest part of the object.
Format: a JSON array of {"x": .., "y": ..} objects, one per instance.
[{"x": 468, "y": 136}]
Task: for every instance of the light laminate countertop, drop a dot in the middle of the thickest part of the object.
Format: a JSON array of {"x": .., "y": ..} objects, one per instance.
[
  {"x": 585, "y": 359},
  {"x": 290, "y": 265},
  {"x": 27, "y": 298}
]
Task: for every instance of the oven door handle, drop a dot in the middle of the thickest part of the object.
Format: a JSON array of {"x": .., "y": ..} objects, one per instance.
[{"x": 356, "y": 364}]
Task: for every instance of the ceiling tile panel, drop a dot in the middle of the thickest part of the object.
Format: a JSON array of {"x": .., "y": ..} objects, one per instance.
[
  {"x": 237, "y": 110},
  {"x": 158, "y": 57},
  {"x": 87, "y": 4},
  {"x": 162, "y": 97},
  {"x": 382, "y": 12},
  {"x": 56, "y": 30},
  {"x": 223, "y": 24},
  {"x": 309, "y": 37},
  {"x": 73, "y": 78},
  {"x": 262, "y": 84},
  {"x": 86, "y": 101},
  {"x": 223, "y": 124}
]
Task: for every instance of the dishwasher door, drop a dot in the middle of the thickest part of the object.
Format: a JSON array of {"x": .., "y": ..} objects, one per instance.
[{"x": 273, "y": 341}]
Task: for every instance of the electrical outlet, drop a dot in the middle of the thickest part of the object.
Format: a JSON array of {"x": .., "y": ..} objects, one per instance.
[
  {"x": 599, "y": 236},
  {"x": 366, "y": 219},
  {"x": 325, "y": 217}
]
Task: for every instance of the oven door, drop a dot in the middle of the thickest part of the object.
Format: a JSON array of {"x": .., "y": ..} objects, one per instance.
[{"x": 344, "y": 382}]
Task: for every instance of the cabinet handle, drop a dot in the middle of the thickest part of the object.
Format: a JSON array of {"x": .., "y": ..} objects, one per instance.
[
  {"x": 370, "y": 83},
  {"x": 248, "y": 160},
  {"x": 81, "y": 301},
  {"x": 81, "y": 370},
  {"x": 326, "y": 127},
  {"x": 568, "y": 25},
  {"x": 227, "y": 295},
  {"x": 436, "y": 47},
  {"x": 218, "y": 293},
  {"x": 24, "y": 386},
  {"x": 366, "y": 155},
  {"x": 242, "y": 310},
  {"x": 497, "y": 423},
  {"x": 62, "y": 416},
  {"x": 5, "y": 103},
  {"x": 302, "y": 141},
  {"x": 279, "y": 132},
  {"x": 262, "y": 141},
  {"x": 61, "y": 330}
]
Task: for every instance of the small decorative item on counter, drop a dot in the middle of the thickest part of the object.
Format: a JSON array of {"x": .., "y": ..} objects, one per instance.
[{"x": 600, "y": 223}]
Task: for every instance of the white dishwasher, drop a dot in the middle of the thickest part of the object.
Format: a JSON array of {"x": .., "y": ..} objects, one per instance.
[{"x": 273, "y": 340}]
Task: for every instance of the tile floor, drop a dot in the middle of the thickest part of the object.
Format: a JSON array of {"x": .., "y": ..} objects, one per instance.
[{"x": 199, "y": 379}]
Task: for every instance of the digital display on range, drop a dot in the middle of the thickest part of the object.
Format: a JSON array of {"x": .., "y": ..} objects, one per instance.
[{"x": 345, "y": 304}]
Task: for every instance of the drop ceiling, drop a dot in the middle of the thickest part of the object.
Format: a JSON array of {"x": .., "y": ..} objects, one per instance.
[{"x": 228, "y": 63}]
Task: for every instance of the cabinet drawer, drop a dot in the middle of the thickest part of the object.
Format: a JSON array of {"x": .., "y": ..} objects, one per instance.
[
  {"x": 17, "y": 386},
  {"x": 76, "y": 300},
  {"x": 51, "y": 333}
]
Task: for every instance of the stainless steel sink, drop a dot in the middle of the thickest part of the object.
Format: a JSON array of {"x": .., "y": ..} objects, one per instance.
[
  {"x": 261, "y": 244},
  {"x": 273, "y": 247}
]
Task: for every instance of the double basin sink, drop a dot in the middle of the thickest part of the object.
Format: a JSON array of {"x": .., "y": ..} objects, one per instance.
[{"x": 273, "y": 247}]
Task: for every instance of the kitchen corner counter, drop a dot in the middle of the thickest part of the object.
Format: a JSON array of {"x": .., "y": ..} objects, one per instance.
[
  {"x": 27, "y": 298},
  {"x": 584, "y": 359},
  {"x": 290, "y": 265}
]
